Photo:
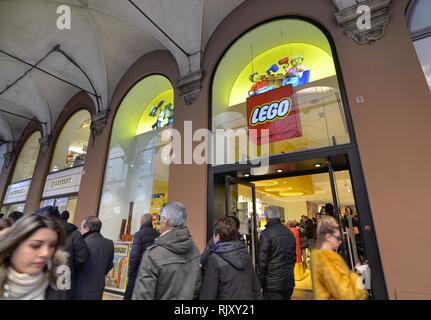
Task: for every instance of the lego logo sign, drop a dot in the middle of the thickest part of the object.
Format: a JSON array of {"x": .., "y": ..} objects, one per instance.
[
  {"x": 270, "y": 111},
  {"x": 277, "y": 111}
]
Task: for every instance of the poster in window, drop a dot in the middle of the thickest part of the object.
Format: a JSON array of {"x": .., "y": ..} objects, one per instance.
[{"x": 117, "y": 277}]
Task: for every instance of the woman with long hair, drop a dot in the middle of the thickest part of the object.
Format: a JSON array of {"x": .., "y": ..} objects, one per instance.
[
  {"x": 30, "y": 255},
  {"x": 332, "y": 278}
]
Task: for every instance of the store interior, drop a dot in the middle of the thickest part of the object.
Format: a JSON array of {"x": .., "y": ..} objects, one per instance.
[{"x": 296, "y": 194}]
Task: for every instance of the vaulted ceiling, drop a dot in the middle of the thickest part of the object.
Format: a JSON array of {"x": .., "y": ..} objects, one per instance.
[{"x": 105, "y": 39}]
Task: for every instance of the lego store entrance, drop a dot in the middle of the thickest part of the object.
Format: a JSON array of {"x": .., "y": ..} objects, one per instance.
[{"x": 298, "y": 189}]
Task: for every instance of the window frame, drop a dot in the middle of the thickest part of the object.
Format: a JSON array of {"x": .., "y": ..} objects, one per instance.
[{"x": 417, "y": 35}]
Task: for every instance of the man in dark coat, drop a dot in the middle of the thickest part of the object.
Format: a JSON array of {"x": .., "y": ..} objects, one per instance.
[
  {"x": 141, "y": 241},
  {"x": 75, "y": 246},
  {"x": 310, "y": 229},
  {"x": 170, "y": 269},
  {"x": 229, "y": 272},
  {"x": 77, "y": 249},
  {"x": 277, "y": 257},
  {"x": 90, "y": 279}
]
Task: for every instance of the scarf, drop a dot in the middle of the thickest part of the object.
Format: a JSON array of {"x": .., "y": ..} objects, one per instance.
[{"x": 21, "y": 286}]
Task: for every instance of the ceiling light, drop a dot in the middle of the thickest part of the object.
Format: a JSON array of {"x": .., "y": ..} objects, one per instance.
[
  {"x": 265, "y": 183},
  {"x": 279, "y": 171},
  {"x": 291, "y": 194},
  {"x": 246, "y": 175},
  {"x": 277, "y": 189},
  {"x": 317, "y": 165}
]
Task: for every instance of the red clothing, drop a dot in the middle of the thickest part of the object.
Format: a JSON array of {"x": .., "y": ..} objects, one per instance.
[{"x": 298, "y": 247}]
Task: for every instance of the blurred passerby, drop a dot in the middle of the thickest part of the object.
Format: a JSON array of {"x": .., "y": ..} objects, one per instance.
[
  {"x": 30, "y": 255},
  {"x": 332, "y": 278},
  {"x": 170, "y": 269},
  {"x": 277, "y": 257},
  {"x": 90, "y": 279},
  {"x": 75, "y": 246},
  {"x": 141, "y": 241},
  {"x": 15, "y": 216},
  {"x": 303, "y": 243},
  {"x": 229, "y": 272},
  {"x": 65, "y": 215},
  {"x": 5, "y": 225},
  {"x": 309, "y": 232},
  {"x": 329, "y": 210},
  {"x": 292, "y": 227}
]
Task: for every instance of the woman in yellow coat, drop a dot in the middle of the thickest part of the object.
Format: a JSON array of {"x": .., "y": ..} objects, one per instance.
[{"x": 332, "y": 278}]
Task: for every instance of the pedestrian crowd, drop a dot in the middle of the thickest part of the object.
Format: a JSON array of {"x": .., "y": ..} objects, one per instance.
[{"x": 45, "y": 257}]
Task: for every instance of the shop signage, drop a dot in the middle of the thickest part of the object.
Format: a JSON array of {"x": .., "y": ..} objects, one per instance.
[
  {"x": 63, "y": 182},
  {"x": 17, "y": 192},
  {"x": 276, "y": 111}
]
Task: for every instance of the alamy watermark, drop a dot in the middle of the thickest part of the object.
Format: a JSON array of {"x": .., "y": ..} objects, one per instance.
[
  {"x": 364, "y": 20},
  {"x": 64, "y": 21},
  {"x": 64, "y": 276},
  {"x": 223, "y": 146}
]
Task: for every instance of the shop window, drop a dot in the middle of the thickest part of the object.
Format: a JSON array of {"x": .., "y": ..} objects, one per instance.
[
  {"x": 27, "y": 159},
  {"x": 71, "y": 147},
  {"x": 282, "y": 60},
  {"x": 136, "y": 179},
  {"x": 419, "y": 23}
]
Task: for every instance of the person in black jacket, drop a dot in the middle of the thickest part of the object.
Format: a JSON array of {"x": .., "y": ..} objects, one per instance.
[
  {"x": 277, "y": 257},
  {"x": 75, "y": 246},
  {"x": 329, "y": 210},
  {"x": 229, "y": 273},
  {"x": 210, "y": 244},
  {"x": 141, "y": 241},
  {"x": 90, "y": 280},
  {"x": 310, "y": 231},
  {"x": 15, "y": 216},
  {"x": 77, "y": 249}
]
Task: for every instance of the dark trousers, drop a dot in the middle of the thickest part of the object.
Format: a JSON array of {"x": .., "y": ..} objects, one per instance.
[{"x": 278, "y": 295}]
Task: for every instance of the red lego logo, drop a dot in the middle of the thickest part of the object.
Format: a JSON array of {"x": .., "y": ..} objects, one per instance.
[{"x": 277, "y": 111}]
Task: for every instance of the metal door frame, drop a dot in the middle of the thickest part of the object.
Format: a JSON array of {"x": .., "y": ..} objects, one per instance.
[{"x": 254, "y": 239}]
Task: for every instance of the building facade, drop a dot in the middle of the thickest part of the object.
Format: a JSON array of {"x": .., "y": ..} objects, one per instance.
[{"x": 361, "y": 119}]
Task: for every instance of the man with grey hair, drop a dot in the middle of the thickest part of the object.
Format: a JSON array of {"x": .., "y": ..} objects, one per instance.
[
  {"x": 170, "y": 269},
  {"x": 277, "y": 258}
]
